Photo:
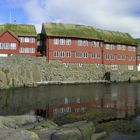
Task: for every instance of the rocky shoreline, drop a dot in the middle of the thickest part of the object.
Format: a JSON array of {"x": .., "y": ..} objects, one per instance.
[
  {"x": 36, "y": 128},
  {"x": 29, "y": 71},
  {"x": 32, "y": 127}
]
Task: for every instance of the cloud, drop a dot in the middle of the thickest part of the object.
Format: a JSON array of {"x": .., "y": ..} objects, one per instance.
[{"x": 115, "y": 15}]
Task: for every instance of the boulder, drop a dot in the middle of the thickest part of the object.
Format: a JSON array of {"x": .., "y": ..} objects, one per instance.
[
  {"x": 17, "y": 121},
  {"x": 13, "y": 134}
]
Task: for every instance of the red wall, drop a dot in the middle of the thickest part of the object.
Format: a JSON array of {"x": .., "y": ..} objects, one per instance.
[
  {"x": 117, "y": 52},
  {"x": 51, "y": 47},
  {"x": 9, "y": 38},
  {"x": 73, "y": 48},
  {"x": 30, "y": 45}
]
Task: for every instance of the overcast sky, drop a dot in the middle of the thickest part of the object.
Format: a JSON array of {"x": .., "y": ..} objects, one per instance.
[{"x": 117, "y": 15}]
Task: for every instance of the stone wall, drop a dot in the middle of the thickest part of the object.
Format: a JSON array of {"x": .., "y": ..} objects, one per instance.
[{"x": 20, "y": 71}]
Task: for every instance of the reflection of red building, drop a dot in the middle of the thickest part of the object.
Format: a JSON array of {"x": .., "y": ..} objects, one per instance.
[
  {"x": 83, "y": 44},
  {"x": 18, "y": 39},
  {"x": 123, "y": 108}
]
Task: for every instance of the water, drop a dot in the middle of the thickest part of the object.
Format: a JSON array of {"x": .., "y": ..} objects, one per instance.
[{"x": 123, "y": 96}]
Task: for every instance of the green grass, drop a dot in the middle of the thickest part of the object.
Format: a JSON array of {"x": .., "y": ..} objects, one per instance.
[
  {"x": 81, "y": 31},
  {"x": 19, "y": 29}
]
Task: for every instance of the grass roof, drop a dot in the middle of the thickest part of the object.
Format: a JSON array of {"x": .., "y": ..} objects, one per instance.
[
  {"x": 138, "y": 42},
  {"x": 87, "y": 32},
  {"x": 19, "y": 29}
]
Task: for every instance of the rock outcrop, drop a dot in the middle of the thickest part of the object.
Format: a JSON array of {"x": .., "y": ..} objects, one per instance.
[{"x": 20, "y": 71}]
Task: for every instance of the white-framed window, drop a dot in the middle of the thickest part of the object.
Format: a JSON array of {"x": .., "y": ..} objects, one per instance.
[
  {"x": 138, "y": 57},
  {"x": 56, "y": 54},
  {"x": 131, "y": 58},
  {"x": 98, "y": 55},
  {"x": 32, "y": 40},
  {"x": 94, "y": 55},
  {"x": 130, "y": 67},
  {"x": 62, "y": 54},
  {"x": 110, "y": 46},
  {"x": 62, "y": 41},
  {"x": 114, "y": 67},
  {"x": 79, "y": 54},
  {"x": 107, "y": 46},
  {"x": 123, "y": 47},
  {"x": 85, "y": 55},
  {"x": 80, "y": 42},
  {"x": 123, "y": 57},
  {"x": 100, "y": 44},
  {"x": 68, "y": 54},
  {"x": 56, "y": 41},
  {"x": 131, "y": 48},
  {"x": 93, "y": 43},
  {"x": 26, "y": 50},
  {"x": 22, "y": 39},
  {"x": 118, "y": 47},
  {"x": 27, "y": 39},
  {"x": 85, "y": 42},
  {"x": 8, "y": 46},
  {"x": 68, "y": 41}
]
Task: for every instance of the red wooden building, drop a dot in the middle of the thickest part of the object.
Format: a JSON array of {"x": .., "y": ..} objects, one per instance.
[
  {"x": 18, "y": 39},
  {"x": 71, "y": 43}
]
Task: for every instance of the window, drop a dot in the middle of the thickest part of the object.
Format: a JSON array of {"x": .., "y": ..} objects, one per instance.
[
  {"x": 123, "y": 47},
  {"x": 27, "y": 50},
  {"x": 100, "y": 44},
  {"x": 123, "y": 57},
  {"x": 98, "y": 55},
  {"x": 68, "y": 54},
  {"x": 79, "y": 54},
  {"x": 138, "y": 57},
  {"x": 114, "y": 67},
  {"x": 22, "y": 39},
  {"x": 110, "y": 57},
  {"x": 85, "y": 55},
  {"x": 119, "y": 47},
  {"x": 31, "y": 39},
  {"x": 56, "y": 41},
  {"x": 93, "y": 43},
  {"x": 62, "y": 54},
  {"x": 131, "y": 58},
  {"x": 130, "y": 48},
  {"x": 8, "y": 46},
  {"x": 85, "y": 42},
  {"x": 62, "y": 41},
  {"x": 68, "y": 41},
  {"x": 27, "y": 39},
  {"x": 56, "y": 54},
  {"x": 94, "y": 55},
  {"x": 110, "y": 46},
  {"x": 130, "y": 67},
  {"x": 79, "y": 42}
]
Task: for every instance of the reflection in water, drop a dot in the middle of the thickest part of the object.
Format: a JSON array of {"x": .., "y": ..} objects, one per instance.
[{"x": 123, "y": 96}]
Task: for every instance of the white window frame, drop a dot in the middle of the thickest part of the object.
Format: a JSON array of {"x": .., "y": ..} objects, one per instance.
[
  {"x": 78, "y": 54},
  {"x": 56, "y": 54},
  {"x": 62, "y": 54},
  {"x": 68, "y": 41},
  {"x": 62, "y": 41},
  {"x": 80, "y": 43},
  {"x": 85, "y": 54},
  {"x": 130, "y": 67},
  {"x": 56, "y": 41}
]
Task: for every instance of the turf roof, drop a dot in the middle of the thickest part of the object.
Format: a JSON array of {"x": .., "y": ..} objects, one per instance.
[
  {"x": 138, "y": 42},
  {"x": 19, "y": 29},
  {"x": 87, "y": 32}
]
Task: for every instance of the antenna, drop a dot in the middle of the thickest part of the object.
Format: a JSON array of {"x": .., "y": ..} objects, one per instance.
[{"x": 10, "y": 17}]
